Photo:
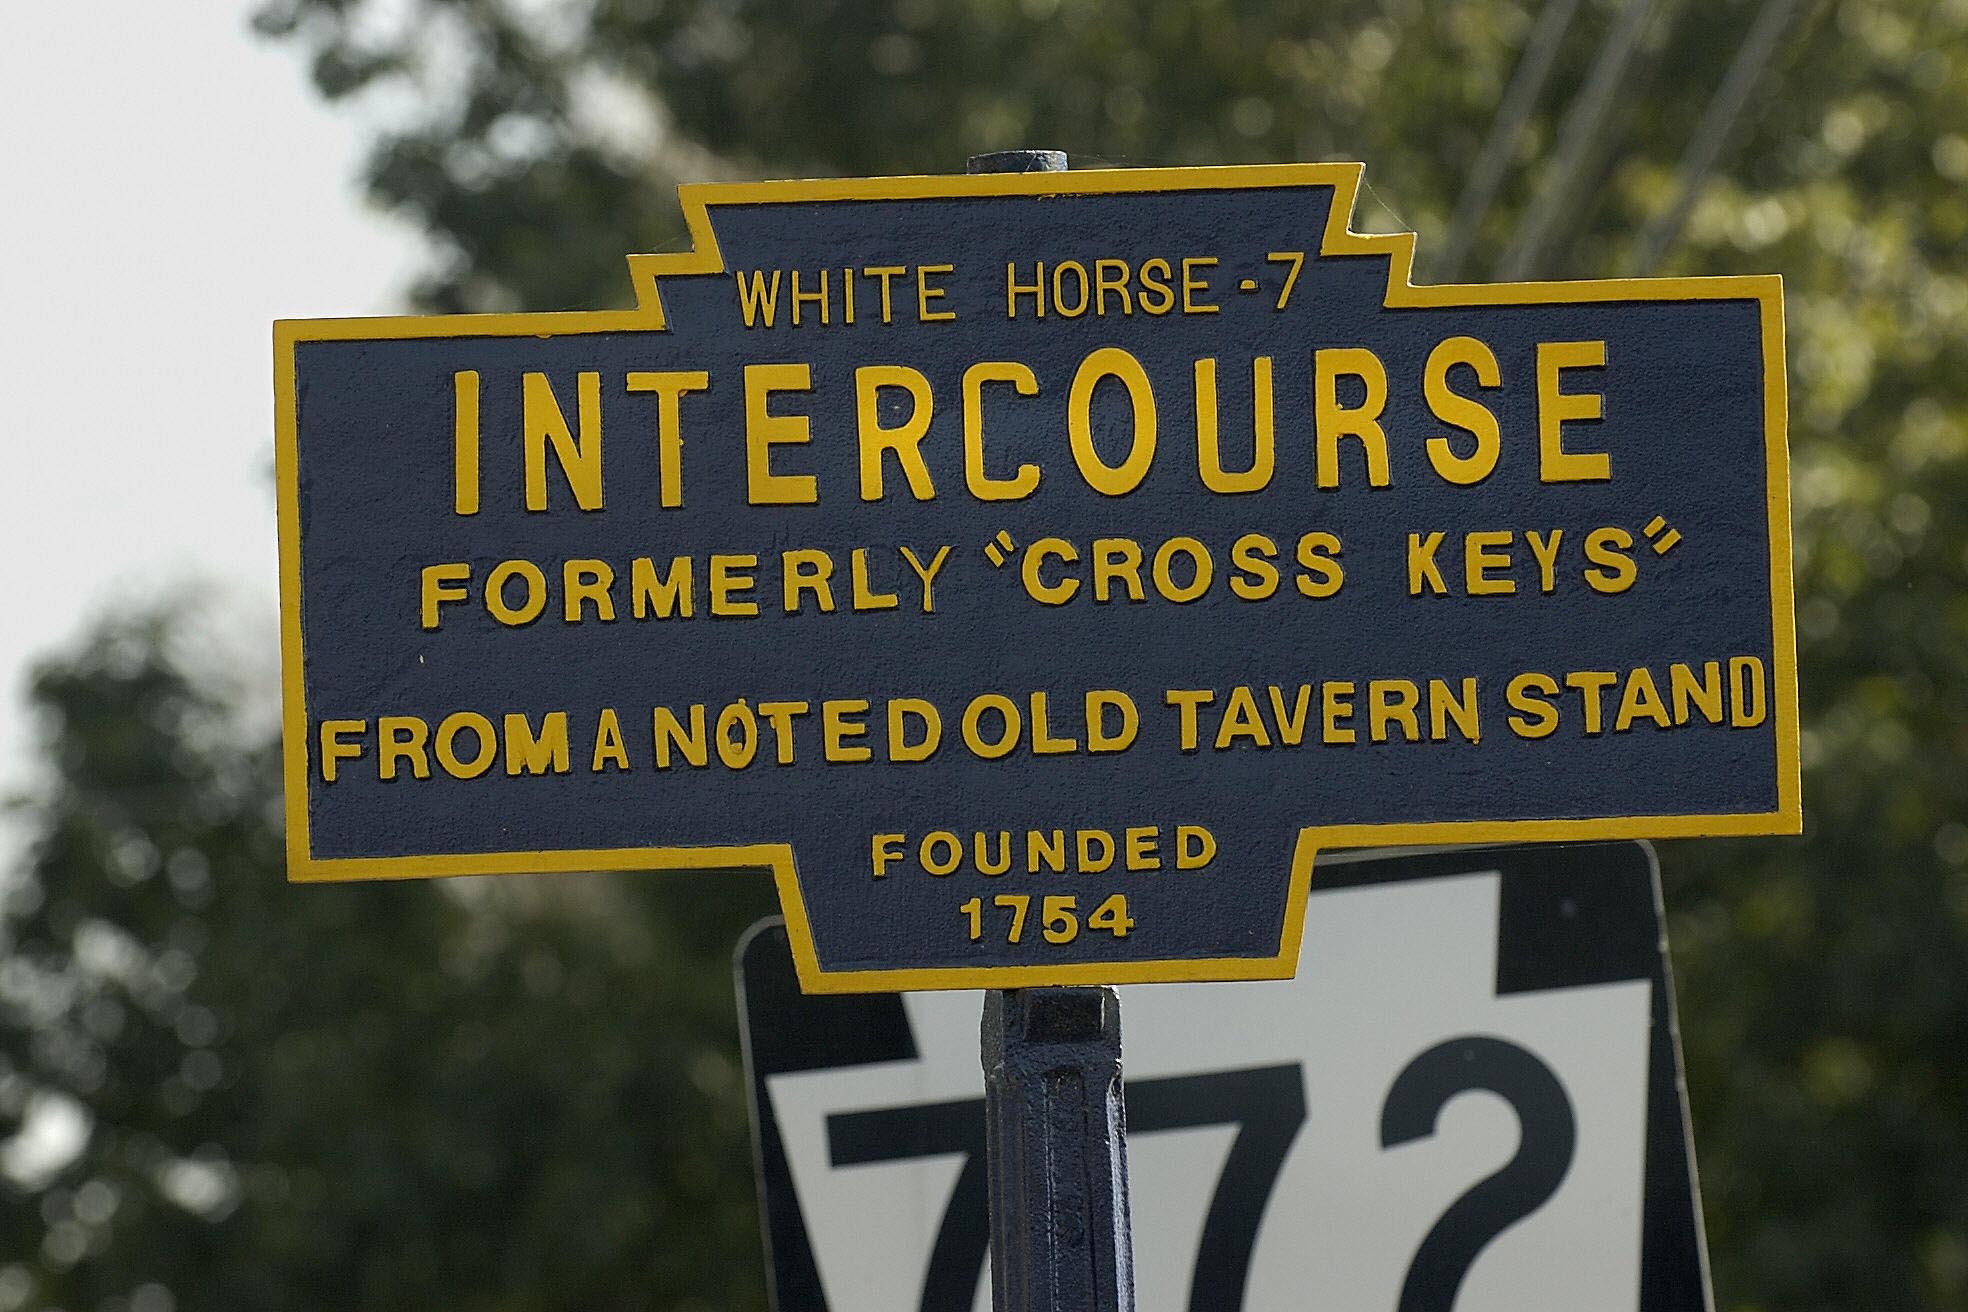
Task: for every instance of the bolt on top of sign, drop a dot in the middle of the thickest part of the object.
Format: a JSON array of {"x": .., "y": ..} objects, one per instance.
[{"x": 1033, "y": 571}]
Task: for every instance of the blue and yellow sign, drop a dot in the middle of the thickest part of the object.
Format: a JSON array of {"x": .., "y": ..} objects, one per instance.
[{"x": 1033, "y": 571}]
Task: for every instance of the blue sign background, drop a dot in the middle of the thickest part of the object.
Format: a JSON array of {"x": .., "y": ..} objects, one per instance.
[{"x": 1688, "y": 424}]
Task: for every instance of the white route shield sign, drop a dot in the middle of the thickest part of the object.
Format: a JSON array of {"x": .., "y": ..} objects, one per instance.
[{"x": 1468, "y": 1099}]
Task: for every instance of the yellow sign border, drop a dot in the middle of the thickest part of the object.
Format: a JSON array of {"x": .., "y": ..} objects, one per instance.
[{"x": 646, "y": 272}]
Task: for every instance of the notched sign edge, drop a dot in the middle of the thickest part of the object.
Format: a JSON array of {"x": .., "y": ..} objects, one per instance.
[{"x": 705, "y": 257}]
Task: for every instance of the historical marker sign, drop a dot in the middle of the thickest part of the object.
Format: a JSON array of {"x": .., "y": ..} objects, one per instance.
[
  {"x": 1469, "y": 1098},
  {"x": 1033, "y": 571}
]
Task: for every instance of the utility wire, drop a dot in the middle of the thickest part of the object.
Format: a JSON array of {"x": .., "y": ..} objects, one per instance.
[
  {"x": 1712, "y": 134},
  {"x": 1582, "y": 125},
  {"x": 1519, "y": 99}
]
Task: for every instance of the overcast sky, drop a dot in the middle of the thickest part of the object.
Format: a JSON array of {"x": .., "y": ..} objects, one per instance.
[{"x": 172, "y": 186}]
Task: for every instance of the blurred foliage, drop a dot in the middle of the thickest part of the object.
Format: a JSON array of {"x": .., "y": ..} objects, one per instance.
[
  {"x": 406, "y": 1096},
  {"x": 1824, "y": 983}
]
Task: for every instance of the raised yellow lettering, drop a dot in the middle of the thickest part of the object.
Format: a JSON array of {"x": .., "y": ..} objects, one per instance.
[
  {"x": 1241, "y": 720},
  {"x": 1546, "y": 552},
  {"x": 1318, "y": 557},
  {"x": 464, "y": 444},
  {"x": 1186, "y": 701},
  {"x": 1078, "y": 305},
  {"x": 901, "y": 711},
  {"x": 579, "y": 458},
  {"x": 1035, "y": 289},
  {"x": 1529, "y": 693},
  {"x": 1202, "y": 569},
  {"x": 670, "y": 388},
  {"x": 1111, "y": 480},
  {"x": 1478, "y": 561},
  {"x": 757, "y": 299},
  {"x": 1117, "y": 559},
  {"x": 535, "y": 601},
  {"x": 1209, "y": 456},
  {"x": 1253, "y": 577},
  {"x": 541, "y": 753},
  {"x": 865, "y": 596},
  {"x": 1336, "y": 704},
  {"x": 765, "y": 430},
  {"x": 1444, "y": 706},
  {"x": 333, "y": 750},
  {"x": 1157, "y": 291},
  {"x": 1390, "y": 702},
  {"x": 1043, "y": 742},
  {"x": 1705, "y": 696},
  {"x": 926, "y": 293},
  {"x": 807, "y": 570},
  {"x": 668, "y": 731},
  {"x": 885, "y": 274},
  {"x": 1049, "y": 594},
  {"x": 436, "y": 579},
  {"x": 1099, "y": 737},
  {"x": 1470, "y": 415},
  {"x": 903, "y": 439},
  {"x": 1192, "y": 285},
  {"x": 819, "y": 298},
  {"x": 1112, "y": 275},
  {"x": 609, "y": 748},
  {"x": 1195, "y": 847},
  {"x": 1291, "y": 722},
  {"x": 1748, "y": 699},
  {"x": 780, "y": 716},
  {"x": 1333, "y": 421},
  {"x": 1555, "y": 408},
  {"x": 1422, "y": 567},
  {"x": 402, "y": 737},
  {"x": 1606, "y": 548},
  {"x": 927, "y": 573},
  {"x": 1011, "y": 725},
  {"x": 1640, "y": 697},
  {"x": 483, "y": 733},
  {"x": 1590, "y": 685},
  {"x": 583, "y": 581},
  {"x": 654, "y": 594},
  {"x": 836, "y": 729},
  {"x": 728, "y": 583},
  {"x": 982, "y": 485}
]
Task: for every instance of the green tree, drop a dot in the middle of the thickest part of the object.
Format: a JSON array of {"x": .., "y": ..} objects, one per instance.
[{"x": 249, "y": 1095}]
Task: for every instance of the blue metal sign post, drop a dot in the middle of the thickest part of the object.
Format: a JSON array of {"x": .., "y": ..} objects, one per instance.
[
  {"x": 1056, "y": 1151},
  {"x": 1055, "y": 1110}
]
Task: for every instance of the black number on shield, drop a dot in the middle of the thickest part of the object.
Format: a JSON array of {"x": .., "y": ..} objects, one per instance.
[
  {"x": 936, "y": 1129},
  {"x": 1517, "y": 1188},
  {"x": 1266, "y": 1103}
]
